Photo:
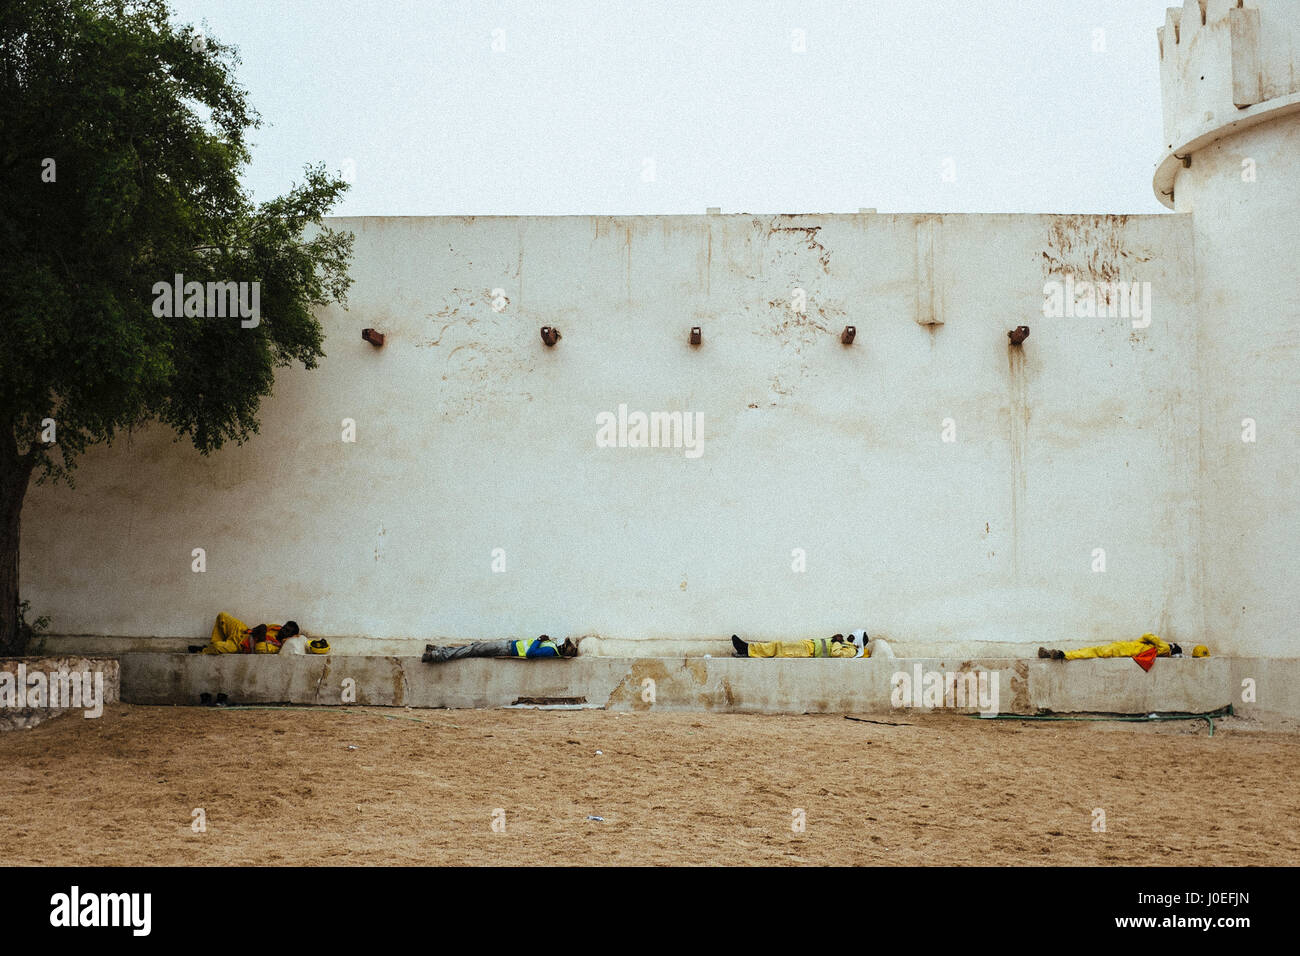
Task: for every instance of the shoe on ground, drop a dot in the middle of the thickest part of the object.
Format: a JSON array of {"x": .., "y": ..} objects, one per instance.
[{"x": 205, "y": 700}]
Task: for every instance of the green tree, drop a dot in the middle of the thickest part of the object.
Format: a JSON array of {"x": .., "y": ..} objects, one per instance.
[{"x": 122, "y": 138}]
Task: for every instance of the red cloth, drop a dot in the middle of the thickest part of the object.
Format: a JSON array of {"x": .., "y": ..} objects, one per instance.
[{"x": 1146, "y": 658}]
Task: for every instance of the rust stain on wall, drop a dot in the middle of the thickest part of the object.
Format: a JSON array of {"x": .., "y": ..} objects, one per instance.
[
  {"x": 399, "y": 687},
  {"x": 627, "y": 246},
  {"x": 628, "y": 691},
  {"x": 1019, "y": 407},
  {"x": 1092, "y": 249},
  {"x": 796, "y": 331},
  {"x": 1019, "y": 689},
  {"x": 807, "y": 235}
]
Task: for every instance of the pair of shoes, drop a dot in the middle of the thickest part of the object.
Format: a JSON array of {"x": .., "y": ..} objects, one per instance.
[
  {"x": 742, "y": 649},
  {"x": 428, "y": 654},
  {"x": 205, "y": 700},
  {"x": 196, "y": 648},
  {"x": 1054, "y": 655}
]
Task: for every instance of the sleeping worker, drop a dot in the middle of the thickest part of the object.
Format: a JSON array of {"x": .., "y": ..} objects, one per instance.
[
  {"x": 541, "y": 647},
  {"x": 1123, "y": 649},
  {"x": 230, "y": 635},
  {"x": 855, "y": 645}
]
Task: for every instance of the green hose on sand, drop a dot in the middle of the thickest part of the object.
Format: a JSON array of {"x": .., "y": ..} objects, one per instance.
[{"x": 1208, "y": 717}]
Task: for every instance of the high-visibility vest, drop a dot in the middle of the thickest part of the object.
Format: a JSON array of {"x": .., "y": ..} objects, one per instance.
[
  {"x": 272, "y": 638},
  {"x": 521, "y": 647},
  {"x": 822, "y": 647}
]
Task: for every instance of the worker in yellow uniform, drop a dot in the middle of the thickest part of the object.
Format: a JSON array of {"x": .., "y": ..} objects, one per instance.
[
  {"x": 230, "y": 635},
  {"x": 837, "y": 646},
  {"x": 1115, "y": 649}
]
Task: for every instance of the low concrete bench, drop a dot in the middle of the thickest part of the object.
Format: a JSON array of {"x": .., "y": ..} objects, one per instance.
[{"x": 880, "y": 686}]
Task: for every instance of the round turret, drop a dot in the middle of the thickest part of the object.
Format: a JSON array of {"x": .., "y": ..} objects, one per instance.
[{"x": 1231, "y": 85}]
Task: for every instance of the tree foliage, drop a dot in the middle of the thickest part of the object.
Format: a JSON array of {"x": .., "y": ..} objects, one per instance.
[{"x": 123, "y": 135}]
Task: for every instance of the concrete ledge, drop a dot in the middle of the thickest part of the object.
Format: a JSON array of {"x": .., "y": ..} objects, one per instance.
[
  {"x": 687, "y": 684},
  {"x": 1119, "y": 686},
  {"x": 1264, "y": 685}
]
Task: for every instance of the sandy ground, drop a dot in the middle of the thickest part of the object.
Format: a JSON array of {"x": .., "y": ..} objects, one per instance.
[{"x": 281, "y": 786}]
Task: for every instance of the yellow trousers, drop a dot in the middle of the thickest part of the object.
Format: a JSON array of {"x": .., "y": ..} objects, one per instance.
[
  {"x": 798, "y": 649},
  {"x": 230, "y": 636},
  {"x": 1121, "y": 649}
]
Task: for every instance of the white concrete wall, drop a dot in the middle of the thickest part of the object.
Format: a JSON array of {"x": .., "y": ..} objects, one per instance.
[
  {"x": 1247, "y": 240},
  {"x": 1242, "y": 190},
  {"x": 471, "y": 435}
]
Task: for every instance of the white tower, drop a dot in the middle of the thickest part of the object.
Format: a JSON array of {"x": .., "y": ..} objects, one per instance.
[{"x": 1230, "y": 78}]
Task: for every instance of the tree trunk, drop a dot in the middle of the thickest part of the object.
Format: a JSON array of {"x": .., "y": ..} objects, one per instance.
[{"x": 15, "y": 470}]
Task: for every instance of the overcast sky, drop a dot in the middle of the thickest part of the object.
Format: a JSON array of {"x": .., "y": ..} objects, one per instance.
[{"x": 476, "y": 107}]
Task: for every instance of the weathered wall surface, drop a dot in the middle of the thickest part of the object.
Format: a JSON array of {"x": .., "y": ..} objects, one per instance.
[
  {"x": 1235, "y": 81},
  {"x": 1248, "y": 239},
  {"x": 472, "y": 436},
  {"x": 1219, "y": 57},
  {"x": 986, "y": 686}
]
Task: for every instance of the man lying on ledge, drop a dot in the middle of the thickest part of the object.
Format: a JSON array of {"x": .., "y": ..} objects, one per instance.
[
  {"x": 855, "y": 645},
  {"x": 1142, "y": 645},
  {"x": 542, "y": 647},
  {"x": 230, "y": 635}
]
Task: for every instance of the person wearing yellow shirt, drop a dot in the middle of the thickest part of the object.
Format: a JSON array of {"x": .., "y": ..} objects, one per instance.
[
  {"x": 837, "y": 646},
  {"x": 230, "y": 635},
  {"x": 1115, "y": 649}
]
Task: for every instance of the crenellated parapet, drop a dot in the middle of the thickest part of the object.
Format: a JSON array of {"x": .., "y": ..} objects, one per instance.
[{"x": 1224, "y": 65}]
